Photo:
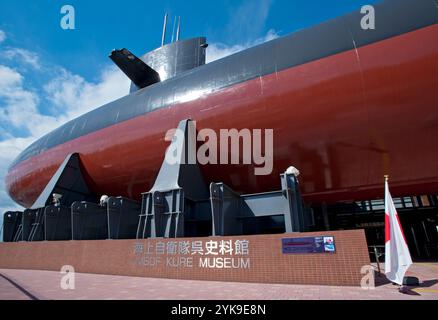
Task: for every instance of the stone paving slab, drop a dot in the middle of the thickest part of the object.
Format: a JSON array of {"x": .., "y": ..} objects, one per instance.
[{"x": 45, "y": 285}]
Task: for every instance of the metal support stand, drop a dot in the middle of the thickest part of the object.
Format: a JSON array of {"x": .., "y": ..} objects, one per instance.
[
  {"x": 68, "y": 182},
  {"x": 57, "y": 223},
  {"x": 178, "y": 205},
  {"x": 163, "y": 209},
  {"x": 89, "y": 221},
  {"x": 12, "y": 225},
  {"x": 33, "y": 225},
  {"x": 179, "y": 201},
  {"x": 116, "y": 219},
  {"x": 122, "y": 216},
  {"x": 231, "y": 212}
]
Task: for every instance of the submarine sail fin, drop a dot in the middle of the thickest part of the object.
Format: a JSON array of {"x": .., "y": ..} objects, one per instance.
[{"x": 135, "y": 69}]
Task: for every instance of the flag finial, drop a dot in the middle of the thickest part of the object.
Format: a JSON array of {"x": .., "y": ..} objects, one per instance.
[{"x": 386, "y": 177}]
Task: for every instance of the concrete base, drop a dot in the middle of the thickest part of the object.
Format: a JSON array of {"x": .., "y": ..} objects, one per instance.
[{"x": 257, "y": 259}]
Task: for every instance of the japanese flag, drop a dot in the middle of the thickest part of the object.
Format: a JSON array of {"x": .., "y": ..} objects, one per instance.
[{"x": 397, "y": 256}]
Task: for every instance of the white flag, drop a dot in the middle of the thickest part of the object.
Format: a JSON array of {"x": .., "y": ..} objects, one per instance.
[{"x": 397, "y": 256}]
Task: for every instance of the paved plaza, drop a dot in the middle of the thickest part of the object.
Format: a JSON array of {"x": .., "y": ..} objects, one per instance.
[{"x": 45, "y": 285}]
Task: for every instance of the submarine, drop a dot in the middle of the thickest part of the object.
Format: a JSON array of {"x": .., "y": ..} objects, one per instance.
[{"x": 346, "y": 106}]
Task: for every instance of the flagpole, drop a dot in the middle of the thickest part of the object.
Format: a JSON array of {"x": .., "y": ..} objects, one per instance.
[
  {"x": 386, "y": 177},
  {"x": 397, "y": 249}
]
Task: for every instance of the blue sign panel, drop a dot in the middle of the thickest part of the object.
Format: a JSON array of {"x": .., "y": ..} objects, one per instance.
[{"x": 308, "y": 245}]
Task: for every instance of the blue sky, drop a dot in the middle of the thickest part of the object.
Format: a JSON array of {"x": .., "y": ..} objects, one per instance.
[
  {"x": 137, "y": 25},
  {"x": 49, "y": 75}
]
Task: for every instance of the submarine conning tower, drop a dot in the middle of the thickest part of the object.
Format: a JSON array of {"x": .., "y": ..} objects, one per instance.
[
  {"x": 165, "y": 62},
  {"x": 176, "y": 57}
]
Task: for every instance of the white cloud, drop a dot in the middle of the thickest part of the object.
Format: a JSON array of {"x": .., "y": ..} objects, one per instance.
[
  {"x": 217, "y": 51},
  {"x": 70, "y": 94},
  {"x": 23, "y": 56},
  {"x": 11, "y": 95},
  {"x": 9, "y": 149},
  {"x": 248, "y": 19},
  {"x": 8, "y": 77},
  {"x": 18, "y": 110},
  {"x": 19, "y": 107},
  {"x": 22, "y": 109},
  {"x": 74, "y": 95},
  {"x": 2, "y": 36}
]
